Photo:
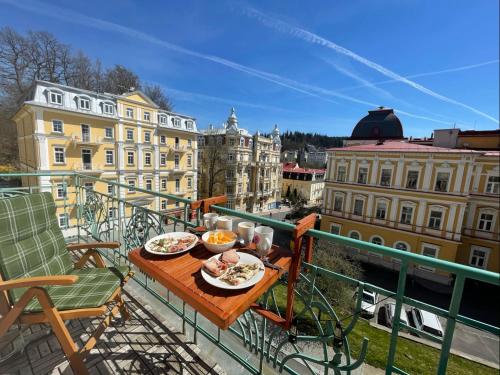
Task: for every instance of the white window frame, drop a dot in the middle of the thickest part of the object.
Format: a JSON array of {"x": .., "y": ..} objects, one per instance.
[
  {"x": 131, "y": 186},
  {"x": 147, "y": 137},
  {"x": 163, "y": 184},
  {"x": 189, "y": 160},
  {"x": 129, "y": 153},
  {"x": 129, "y": 112},
  {"x": 63, "y": 216},
  {"x": 84, "y": 99},
  {"x": 343, "y": 165},
  {"x": 335, "y": 196},
  {"x": 360, "y": 167},
  {"x": 111, "y": 189},
  {"x": 190, "y": 182},
  {"x": 189, "y": 124},
  {"x": 486, "y": 251},
  {"x": 377, "y": 236},
  {"x": 148, "y": 159},
  {"x": 407, "y": 204},
  {"x": 419, "y": 175},
  {"x": 190, "y": 142},
  {"x": 163, "y": 119},
  {"x": 163, "y": 139},
  {"x": 106, "y": 106},
  {"x": 177, "y": 185},
  {"x": 384, "y": 201},
  {"x": 147, "y": 116},
  {"x": 408, "y": 247},
  {"x": 149, "y": 182},
  {"x": 129, "y": 131},
  {"x": 337, "y": 226},
  {"x": 487, "y": 211},
  {"x": 176, "y": 122},
  {"x": 106, "y": 154},
  {"x": 106, "y": 133},
  {"x": 354, "y": 231},
  {"x": 443, "y": 169},
  {"x": 490, "y": 186},
  {"x": 177, "y": 161},
  {"x": 361, "y": 198},
  {"x": 57, "y": 94},
  {"x": 163, "y": 158},
  {"x": 56, "y": 148},
  {"x": 61, "y": 122},
  {"x": 436, "y": 209},
  {"x": 429, "y": 246},
  {"x": 111, "y": 213},
  {"x": 61, "y": 191},
  {"x": 163, "y": 204}
]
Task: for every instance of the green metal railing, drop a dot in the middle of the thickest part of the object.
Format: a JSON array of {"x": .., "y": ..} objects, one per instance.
[{"x": 105, "y": 217}]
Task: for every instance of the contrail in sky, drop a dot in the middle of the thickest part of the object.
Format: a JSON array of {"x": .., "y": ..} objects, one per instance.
[
  {"x": 313, "y": 38},
  {"x": 87, "y": 21}
]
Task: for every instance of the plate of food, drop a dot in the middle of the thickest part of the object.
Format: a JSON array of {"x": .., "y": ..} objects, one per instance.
[
  {"x": 233, "y": 270},
  {"x": 171, "y": 243}
]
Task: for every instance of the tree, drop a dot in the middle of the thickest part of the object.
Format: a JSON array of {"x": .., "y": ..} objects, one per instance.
[
  {"x": 82, "y": 73},
  {"x": 288, "y": 192},
  {"x": 119, "y": 80},
  {"x": 212, "y": 168},
  {"x": 157, "y": 95}
]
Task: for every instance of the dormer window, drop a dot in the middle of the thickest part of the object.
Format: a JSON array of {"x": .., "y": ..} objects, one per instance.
[
  {"x": 84, "y": 103},
  {"x": 176, "y": 122},
  {"x": 189, "y": 125},
  {"x": 56, "y": 97},
  {"x": 108, "y": 108},
  {"x": 163, "y": 119}
]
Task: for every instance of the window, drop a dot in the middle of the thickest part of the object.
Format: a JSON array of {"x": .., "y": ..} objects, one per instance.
[
  {"x": 435, "y": 219},
  {"x": 63, "y": 220},
  {"x": 377, "y": 240},
  {"x": 341, "y": 174},
  {"x": 189, "y": 160},
  {"x": 109, "y": 157},
  {"x": 163, "y": 159},
  {"x": 149, "y": 184},
  {"x": 201, "y": 141},
  {"x": 55, "y": 97},
  {"x": 111, "y": 189},
  {"x": 406, "y": 214},
  {"x": 59, "y": 155},
  {"x": 108, "y": 132},
  {"x": 362, "y": 175},
  {"x": 130, "y": 157},
  {"x": 84, "y": 103},
  {"x": 485, "y": 221},
  {"x": 189, "y": 125},
  {"x": 111, "y": 213},
  {"x": 442, "y": 181},
  {"x": 429, "y": 250},
  {"x": 163, "y": 184},
  {"x": 335, "y": 229},
  {"x": 130, "y": 134},
  {"x": 189, "y": 182},
  {"x": 147, "y": 137},
  {"x": 163, "y": 119},
  {"x": 493, "y": 185},
  {"x": 147, "y": 158},
  {"x": 229, "y": 174},
  {"x": 61, "y": 191},
  {"x": 190, "y": 143},
  {"x": 57, "y": 126},
  {"x": 338, "y": 202},
  {"x": 231, "y": 142},
  {"x": 131, "y": 186},
  {"x": 354, "y": 235},
  {"x": 163, "y": 204},
  {"x": 163, "y": 139},
  {"x": 176, "y": 161},
  {"x": 230, "y": 157},
  {"x": 358, "y": 207},
  {"x": 381, "y": 211},
  {"x": 412, "y": 180},
  {"x": 130, "y": 112},
  {"x": 242, "y": 142},
  {"x": 385, "y": 177},
  {"x": 108, "y": 108},
  {"x": 176, "y": 122},
  {"x": 177, "y": 185},
  {"x": 479, "y": 256},
  {"x": 147, "y": 116},
  {"x": 401, "y": 246}
]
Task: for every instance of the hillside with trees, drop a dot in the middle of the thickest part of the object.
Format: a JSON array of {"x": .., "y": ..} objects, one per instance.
[
  {"x": 39, "y": 55},
  {"x": 297, "y": 140}
]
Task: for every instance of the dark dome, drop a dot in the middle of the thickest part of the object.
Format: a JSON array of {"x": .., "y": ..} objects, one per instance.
[{"x": 380, "y": 124}]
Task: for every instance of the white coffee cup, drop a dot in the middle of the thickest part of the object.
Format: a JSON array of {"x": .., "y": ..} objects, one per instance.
[
  {"x": 210, "y": 220},
  {"x": 263, "y": 239},
  {"x": 225, "y": 223},
  {"x": 246, "y": 230}
]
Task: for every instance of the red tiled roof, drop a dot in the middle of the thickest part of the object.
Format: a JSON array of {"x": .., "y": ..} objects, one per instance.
[
  {"x": 401, "y": 147},
  {"x": 293, "y": 167}
]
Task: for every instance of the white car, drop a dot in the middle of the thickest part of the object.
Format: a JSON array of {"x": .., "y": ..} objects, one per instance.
[
  {"x": 426, "y": 321},
  {"x": 368, "y": 303},
  {"x": 390, "y": 309}
]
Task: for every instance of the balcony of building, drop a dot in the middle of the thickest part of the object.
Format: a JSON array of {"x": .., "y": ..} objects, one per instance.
[
  {"x": 88, "y": 168},
  {"x": 293, "y": 327},
  {"x": 86, "y": 140}
]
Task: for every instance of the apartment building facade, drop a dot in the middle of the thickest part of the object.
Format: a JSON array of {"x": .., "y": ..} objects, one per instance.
[
  {"x": 122, "y": 138},
  {"x": 436, "y": 201},
  {"x": 306, "y": 183},
  {"x": 243, "y": 166}
]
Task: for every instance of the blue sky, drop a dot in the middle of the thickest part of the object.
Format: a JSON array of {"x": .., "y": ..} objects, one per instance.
[{"x": 313, "y": 66}]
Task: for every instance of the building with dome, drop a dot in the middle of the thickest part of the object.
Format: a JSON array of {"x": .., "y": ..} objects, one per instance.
[
  {"x": 438, "y": 197},
  {"x": 245, "y": 167},
  {"x": 379, "y": 125}
]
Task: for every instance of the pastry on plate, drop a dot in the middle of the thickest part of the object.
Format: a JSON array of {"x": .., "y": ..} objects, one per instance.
[{"x": 214, "y": 267}]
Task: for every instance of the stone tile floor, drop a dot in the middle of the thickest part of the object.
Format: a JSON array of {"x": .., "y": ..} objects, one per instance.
[{"x": 143, "y": 345}]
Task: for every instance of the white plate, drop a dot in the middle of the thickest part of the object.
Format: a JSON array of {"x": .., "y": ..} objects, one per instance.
[
  {"x": 244, "y": 259},
  {"x": 147, "y": 246}
]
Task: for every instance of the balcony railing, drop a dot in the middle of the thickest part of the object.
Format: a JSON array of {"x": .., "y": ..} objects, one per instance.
[
  {"x": 91, "y": 168},
  {"x": 86, "y": 140},
  {"x": 322, "y": 348}
]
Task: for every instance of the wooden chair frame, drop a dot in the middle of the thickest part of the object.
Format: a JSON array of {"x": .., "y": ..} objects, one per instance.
[{"x": 49, "y": 314}]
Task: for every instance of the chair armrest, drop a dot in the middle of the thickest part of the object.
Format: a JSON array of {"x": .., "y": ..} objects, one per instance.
[
  {"x": 92, "y": 245},
  {"x": 38, "y": 281}
]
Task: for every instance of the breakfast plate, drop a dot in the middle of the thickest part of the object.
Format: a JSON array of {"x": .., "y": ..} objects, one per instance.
[
  {"x": 247, "y": 266},
  {"x": 171, "y": 243}
]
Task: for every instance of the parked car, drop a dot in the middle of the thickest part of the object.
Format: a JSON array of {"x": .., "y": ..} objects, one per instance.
[
  {"x": 368, "y": 303},
  {"x": 426, "y": 321},
  {"x": 390, "y": 309}
]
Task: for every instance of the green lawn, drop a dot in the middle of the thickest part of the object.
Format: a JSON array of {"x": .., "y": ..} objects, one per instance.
[{"x": 412, "y": 357}]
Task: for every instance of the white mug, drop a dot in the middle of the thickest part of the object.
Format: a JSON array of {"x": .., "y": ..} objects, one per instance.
[
  {"x": 246, "y": 231},
  {"x": 210, "y": 219},
  {"x": 225, "y": 223},
  {"x": 263, "y": 240}
]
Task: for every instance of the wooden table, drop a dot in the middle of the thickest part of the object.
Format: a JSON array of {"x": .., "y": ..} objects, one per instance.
[{"x": 182, "y": 275}]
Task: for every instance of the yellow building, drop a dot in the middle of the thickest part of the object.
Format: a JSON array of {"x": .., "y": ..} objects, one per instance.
[
  {"x": 122, "y": 138},
  {"x": 243, "y": 166},
  {"x": 436, "y": 201},
  {"x": 303, "y": 182}
]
